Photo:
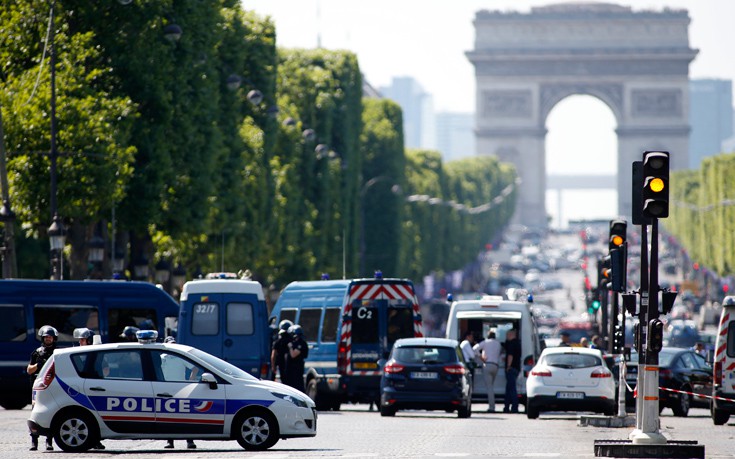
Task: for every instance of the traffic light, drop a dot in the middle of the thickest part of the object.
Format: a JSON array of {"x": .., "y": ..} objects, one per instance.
[
  {"x": 667, "y": 301},
  {"x": 618, "y": 229},
  {"x": 604, "y": 273},
  {"x": 655, "y": 194},
  {"x": 618, "y": 267},
  {"x": 655, "y": 335}
]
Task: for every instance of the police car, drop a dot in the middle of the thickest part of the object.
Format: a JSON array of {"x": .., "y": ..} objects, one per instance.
[{"x": 150, "y": 390}]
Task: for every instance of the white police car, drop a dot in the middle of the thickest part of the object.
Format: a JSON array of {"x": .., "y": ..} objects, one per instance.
[{"x": 151, "y": 390}]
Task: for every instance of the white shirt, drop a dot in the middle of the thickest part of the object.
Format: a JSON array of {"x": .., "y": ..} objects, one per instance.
[
  {"x": 491, "y": 349},
  {"x": 469, "y": 354}
]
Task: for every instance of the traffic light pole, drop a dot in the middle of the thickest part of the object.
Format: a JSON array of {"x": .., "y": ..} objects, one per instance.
[{"x": 642, "y": 329}]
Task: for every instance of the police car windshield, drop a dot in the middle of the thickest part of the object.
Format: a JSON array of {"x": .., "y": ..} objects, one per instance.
[{"x": 224, "y": 367}]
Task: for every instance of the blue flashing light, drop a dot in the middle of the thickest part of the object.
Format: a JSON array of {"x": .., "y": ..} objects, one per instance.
[
  {"x": 378, "y": 274},
  {"x": 325, "y": 276},
  {"x": 530, "y": 298},
  {"x": 146, "y": 336},
  {"x": 450, "y": 298}
]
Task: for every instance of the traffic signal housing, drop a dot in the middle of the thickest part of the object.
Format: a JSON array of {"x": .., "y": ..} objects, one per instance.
[
  {"x": 618, "y": 229},
  {"x": 655, "y": 335},
  {"x": 655, "y": 194}
]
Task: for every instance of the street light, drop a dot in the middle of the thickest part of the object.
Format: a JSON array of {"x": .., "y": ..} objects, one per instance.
[
  {"x": 57, "y": 239},
  {"x": 7, "y": 217}
]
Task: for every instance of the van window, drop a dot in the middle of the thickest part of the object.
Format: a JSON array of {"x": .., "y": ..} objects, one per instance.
[
  {"x": 400, "y": 323},
  {"x": 288, "y": 314},
  {"x": 239, "y": 319},
  {"x": 205, "y": 319},
  {"x": 731, "y": 339},
  {"x": 309, "y": 321},
  {"x": 119, "y": 318},
  {"x": 329, "y": 327},
  {"x": 13, "y": 325},
  {"x": 364, "y": 322},
  {"x": 65, "y": 318}
]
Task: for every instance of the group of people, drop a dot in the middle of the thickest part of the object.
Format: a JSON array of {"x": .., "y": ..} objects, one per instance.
[
  {"x": 595, "y": 343},
  {"x": 288, "y": 353},
  {"x": 489, "y": 354}
]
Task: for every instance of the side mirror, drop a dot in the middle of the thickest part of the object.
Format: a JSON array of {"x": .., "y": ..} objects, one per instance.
[{"x": 209, "y": 379}]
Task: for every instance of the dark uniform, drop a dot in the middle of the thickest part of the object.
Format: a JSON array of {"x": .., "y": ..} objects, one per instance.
[
  {"x": 280, "y": 350},
  {"x": 295, "y": 364},
  {"x": 39, "y": 357}
]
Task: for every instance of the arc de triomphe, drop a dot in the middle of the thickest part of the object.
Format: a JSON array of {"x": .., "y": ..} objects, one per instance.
[{"x": 525, "y": 63}]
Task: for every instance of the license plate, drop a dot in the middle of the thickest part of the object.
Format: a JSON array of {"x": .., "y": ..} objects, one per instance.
[
  {"x": 365, "y": 365},
  {"x": 574, "y": 395},
  {"x": 423, "y": 375}
]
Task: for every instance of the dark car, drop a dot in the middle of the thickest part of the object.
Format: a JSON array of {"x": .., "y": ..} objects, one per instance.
[
  {"x": 426, "y": 374},
  {"x": 680, "y": 370}
]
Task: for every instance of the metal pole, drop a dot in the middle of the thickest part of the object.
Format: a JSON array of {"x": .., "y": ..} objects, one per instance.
[
  {"x": 56, "y": 255},
  {"x": 642, "y": 329}
]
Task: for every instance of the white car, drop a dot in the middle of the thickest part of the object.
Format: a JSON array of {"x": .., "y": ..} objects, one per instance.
[
  {"x": 161, "y": 391},
  {"x": 570, "y": 379}
]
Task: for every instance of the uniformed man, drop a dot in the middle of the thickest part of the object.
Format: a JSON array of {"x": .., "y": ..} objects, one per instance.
[
  {"x": 298, "y": 351},
  {"x": 279, "y": 350},
  {"x": 49, "y": 336}
]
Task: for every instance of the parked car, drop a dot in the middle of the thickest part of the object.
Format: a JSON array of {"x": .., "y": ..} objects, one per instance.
[
  {"x": 161, "y": 391},
  {"x": 570, "y": 379},
  {"x": 426, "y": 374},
  {"x": 680, "y": 370}
]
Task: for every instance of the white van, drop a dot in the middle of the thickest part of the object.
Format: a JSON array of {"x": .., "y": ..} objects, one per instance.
[
  {"x": 494, "y": 313},
  {"x": 723, "y": 384}
]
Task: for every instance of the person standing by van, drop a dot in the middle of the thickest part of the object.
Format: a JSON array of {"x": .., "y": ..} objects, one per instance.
[
  {"x": 49, "y": 336},
  {"x": 279, "y": 350},
  {"x": 298, "y": 351},
  {"x": 467, "y": 347},
  {"x": 512, "y": 370},
  {"x": 490, "y": 350}
]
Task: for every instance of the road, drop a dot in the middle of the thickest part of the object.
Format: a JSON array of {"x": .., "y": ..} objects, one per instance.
[{"x": 357, "y": 433}]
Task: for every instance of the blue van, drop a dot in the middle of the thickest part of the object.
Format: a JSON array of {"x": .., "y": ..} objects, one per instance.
[
  {"x": 106, "y": 307},
  {"x": 349, "y": 325},
  {"x": 227, "y": 318}
]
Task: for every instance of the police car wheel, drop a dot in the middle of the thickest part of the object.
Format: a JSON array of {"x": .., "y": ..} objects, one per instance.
[
  {"x": 313, "y": 393},
  {"x": 720, "y": 417},
  {"x": 681, "y": 405},
  {"x": 256, "y": 430},
  {"x": 75, "y": 431}
]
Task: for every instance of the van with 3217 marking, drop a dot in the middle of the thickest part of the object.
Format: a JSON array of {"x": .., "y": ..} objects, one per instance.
[{"x": 349, "y": 325}]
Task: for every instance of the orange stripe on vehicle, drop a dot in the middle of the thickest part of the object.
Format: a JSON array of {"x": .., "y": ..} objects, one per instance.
[
  {"x": 650, "y": 368},
  {"x": 651, "y": 398}
]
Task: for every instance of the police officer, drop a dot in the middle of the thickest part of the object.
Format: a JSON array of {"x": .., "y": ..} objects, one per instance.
[
  {"x": 298, "y": 351},
  {"x": 85, "y": 337},
  {"x": 279, "y": 350},
  {"x": 49, "y": 337},
  {"x": 128, "y": 334}
]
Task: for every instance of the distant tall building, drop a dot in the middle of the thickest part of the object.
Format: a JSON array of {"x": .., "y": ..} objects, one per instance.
[
  {"x": 455, "y": 135},
  {"x": 418, "y": 111},
  {"x": 710, "y": 117}
]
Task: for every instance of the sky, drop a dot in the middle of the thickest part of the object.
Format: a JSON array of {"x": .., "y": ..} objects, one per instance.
[{"x": 427, "y": 40}]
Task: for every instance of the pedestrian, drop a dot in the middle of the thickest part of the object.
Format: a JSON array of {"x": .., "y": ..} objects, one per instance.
[
  {"x": 279, "y": 350},
  {"x": 49, "y": 336},
  {"x": 512, "y": 370},
  {"x": 700, "y": 349},
  {"x": 584, "y": 342},
  {"x": 298, "y": 351},
  {"x": 85, "y": 337},
  {"x": 596, "y": 343},
  {"x": 466, "y": 345},
  {"x": 490, "y": 350},
  {"x": 565, "y": 341},
  {"x": 128, "y": 334},
  {"x": 174, "y": 368}
]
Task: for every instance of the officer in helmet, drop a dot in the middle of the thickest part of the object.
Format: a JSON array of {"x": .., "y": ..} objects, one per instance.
[
  {"x": 298, "y": 351},
  {"x": 128, "y": 334},
  {"x": 49, "y": 336},
  {"x": 279, "y": 350},
  {"x": 84, "y": 336}
]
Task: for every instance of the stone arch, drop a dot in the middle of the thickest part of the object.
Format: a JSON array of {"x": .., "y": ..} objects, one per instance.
[{"x": 637, "y": 63}]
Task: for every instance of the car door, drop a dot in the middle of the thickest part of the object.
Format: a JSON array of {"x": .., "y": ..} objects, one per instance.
[
  {"x": 121, "y": 396},
  {"x": 184, "y": 404},
  {"x": 701, "y": 378}
]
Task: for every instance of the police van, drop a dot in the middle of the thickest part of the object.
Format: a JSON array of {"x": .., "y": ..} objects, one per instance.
[
  {"x": 723, "y": 402},
  {"x": 492, "y": 312},
  {"x": 106, "y": 307},
  {"x": 228, "y": 318},
  {"x": 349, "y": 325}
]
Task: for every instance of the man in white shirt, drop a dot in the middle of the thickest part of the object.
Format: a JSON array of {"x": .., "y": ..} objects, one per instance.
[
  {"x": 466, "y": 346},
  {"x": 490, "y": 350}
]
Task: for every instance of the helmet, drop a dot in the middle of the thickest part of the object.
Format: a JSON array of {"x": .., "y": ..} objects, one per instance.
[
  {"x": 48, "y": 330},
  {"x": 296, "y": 330},
  {"x": 285, "y": 325},
  {"x": 84, "y": 333},
  {"x": 129, "y": 332},
  {"x": 729, "y": 301},
  {"x": 147, "y": 324},
  {"x": 170, "y": 339}
]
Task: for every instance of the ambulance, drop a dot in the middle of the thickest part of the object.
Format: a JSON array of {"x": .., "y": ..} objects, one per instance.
[{"x": 723, "y": 392}]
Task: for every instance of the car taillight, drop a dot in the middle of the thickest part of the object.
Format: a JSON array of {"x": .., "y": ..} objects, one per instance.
[
  {"x": 342, "y": 358},
  {"x": 393, "y": 368},
  {"x": 717, "y": 373},
  {"x": 541, "y": 372},
  {"x": 43, "y": 381},
  {"x": 664, "y": 373},
  {"x": 455, "y": 369},
  {"x": 264, "y": 371},
  {"x": 600, "y": 373},
  {"x": 529, "y": 361}
]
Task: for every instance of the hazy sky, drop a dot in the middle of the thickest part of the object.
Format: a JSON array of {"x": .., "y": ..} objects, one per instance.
[{"x": 427, "y": 40}]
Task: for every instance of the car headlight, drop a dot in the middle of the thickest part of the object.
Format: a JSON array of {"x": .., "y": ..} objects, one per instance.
[{"x": 290, "y": 398}]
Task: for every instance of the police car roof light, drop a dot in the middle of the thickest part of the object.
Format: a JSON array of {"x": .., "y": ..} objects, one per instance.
[
  {"x": 146, "y": 336},
  {"x": 325, "y": 276},
  {"x": 378, "y": 274}
]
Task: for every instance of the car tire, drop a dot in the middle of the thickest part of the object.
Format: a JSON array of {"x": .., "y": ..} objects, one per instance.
[
  {"x": 681, "y": 406},
  {"x": 334, "y": 403},
  {"x": 387, "y": 411},
  {"x": 720, "y": 417},
  {"x": 313, "y": 392},
  {"x": 14, "y": 404},
  {"x": 532, "y": 412},
  {"x": 75, "y": 431},
  {"x": 465, "y": 411},
  {"x": 256, "y": 429}
]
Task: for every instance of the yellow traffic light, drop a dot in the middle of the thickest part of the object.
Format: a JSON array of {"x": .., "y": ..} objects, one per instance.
[
  {"x": 617, "y": 240},
  {"x": 656, "y": 185}
]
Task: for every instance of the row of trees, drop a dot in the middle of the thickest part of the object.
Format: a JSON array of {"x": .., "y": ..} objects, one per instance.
[
  {"x": 702, "y": 213},
  {"x": 220, "y": 150}
]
